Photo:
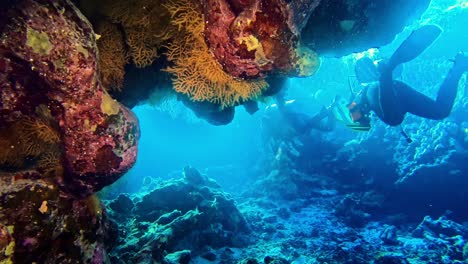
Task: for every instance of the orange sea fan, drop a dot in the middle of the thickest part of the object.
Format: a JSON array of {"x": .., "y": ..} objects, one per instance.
[
  {"x": 50, "y": 164},
  {"x": 146, "y": 24},
  {"x": 35, "y": 129},
  {"x": 143, "y": 49},
  {"x": 196, "y": 72},
  {"x": 28, "y": 138},
  {"x": 112, "y": 55}
]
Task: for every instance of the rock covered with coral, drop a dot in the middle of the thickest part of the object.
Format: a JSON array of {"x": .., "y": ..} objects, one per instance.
[
  {"x": 190, "y": 214},
  {"x": 62, "y": 137},
  {"x": 41, "y": 224},
  {"x": 257, "y": 38},
  {"x": 218, "y": 54},
  {"x": 50, "y": 89},
  {"x": 314, "y": 230}
]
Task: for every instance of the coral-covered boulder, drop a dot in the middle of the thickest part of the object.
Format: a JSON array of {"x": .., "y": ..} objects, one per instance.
[
  {"x": 257, "y": 38},
  {"x": 191, "y": 213},
  {"x": 50, "y": 87},
  {"x": 41, "y": 224},
  {"x": 62, "y": 137},
  {"x": 194, "y": 192}
]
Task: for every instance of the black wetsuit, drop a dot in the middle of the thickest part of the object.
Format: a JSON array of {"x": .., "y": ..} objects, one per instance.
[{"x": 392, "y": 99}]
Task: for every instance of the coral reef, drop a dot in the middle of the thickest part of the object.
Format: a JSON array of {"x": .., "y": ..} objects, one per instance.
[
  {"x": 190, "y": 214},
  {"x": 313, "y": 229},
  {"x": 62, "y": 137},
  {"x": 40, "y": 223},
  {"x": 112, "y": 55},
  {"x": 210, "y": 50},
  {"x": 218, "y": 52},
  {"x": 56, "y": 69},
  {"x": 146, "y": 26},
  {"x": 196, "y": 72},
  {"x": 254, "y": 39}
]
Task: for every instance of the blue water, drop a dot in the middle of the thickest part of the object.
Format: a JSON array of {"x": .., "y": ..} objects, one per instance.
[
  {"x": 169, "y": 142},
  {"x": 317, "y": 197}
]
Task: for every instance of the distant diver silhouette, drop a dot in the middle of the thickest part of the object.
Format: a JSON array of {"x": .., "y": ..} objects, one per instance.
[
  {"x": 390, "y": 99},
  {"x": 302, "y": 123}
]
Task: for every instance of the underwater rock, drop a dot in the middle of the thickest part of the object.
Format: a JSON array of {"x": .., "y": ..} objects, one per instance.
[
  {"x": 356, "y": 208},
  {"x": 391, "y": 259},
  {"x": 179, "y": 257},
  {"x": 41, "y": 224},
  {"x": 338, "y": 28},
  {"x": 211, "y": 112},
  {"x": 389, "y": 235},
  {"x": 62, "y": 137},
  {"x": 249, "y": 261},
  {"x": 211, "y": 256},
  {"x": 190, "y": 213},
  {"x": 441, "y": 226},
  {"x": 444, "y": 237},
  {"x": 274, "y": 260},
  {"x": 284, "y": 213},
  {"x": 257, "y": 38},
  {"x": 168, "y": 217},
  {"x": 122, "y": 206},
  {"x": 48, "y": 61}
]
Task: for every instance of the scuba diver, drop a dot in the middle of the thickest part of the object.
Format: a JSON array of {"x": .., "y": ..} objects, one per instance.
[
  {"x": 390, "y": 99},
  {"x": 324, "y": 120},
  {"x": 284, "y": 125}
]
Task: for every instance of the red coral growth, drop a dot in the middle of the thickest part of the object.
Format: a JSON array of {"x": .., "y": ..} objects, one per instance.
[
  {"x": 49, "y": 57},
  {"x": 197, "y": 73},
  {"x": 255, "y": 38}
]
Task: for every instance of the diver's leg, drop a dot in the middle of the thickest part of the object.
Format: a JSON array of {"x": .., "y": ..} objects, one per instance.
[
  {"x": 390, "y": 103},
  {"x": 421, "y": 105},
  {"x": 448, "y": 90},
  {"x": 415, "y": 102}
]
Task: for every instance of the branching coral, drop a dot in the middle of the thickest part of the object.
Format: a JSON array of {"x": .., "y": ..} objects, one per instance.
[
  {"x": 35, "y": 129},
  {"x": 28, "y": 139},
  {"x": 112, "y": 55},
  {"x": 146, "y": 25},
  {"x": 50, "y": 163},
  {"x": 196, "y": 72}
]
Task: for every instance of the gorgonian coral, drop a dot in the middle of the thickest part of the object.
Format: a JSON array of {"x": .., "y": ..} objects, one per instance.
[
  {"x": 146, "y": 25},
  {"x": 29, "y": 139},
  {"x": 196, "y": 72},
  {"x": 112, "y": 55}
]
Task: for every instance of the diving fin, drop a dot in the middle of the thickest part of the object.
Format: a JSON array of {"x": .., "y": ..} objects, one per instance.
[{"x": 415, "y": 44}]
